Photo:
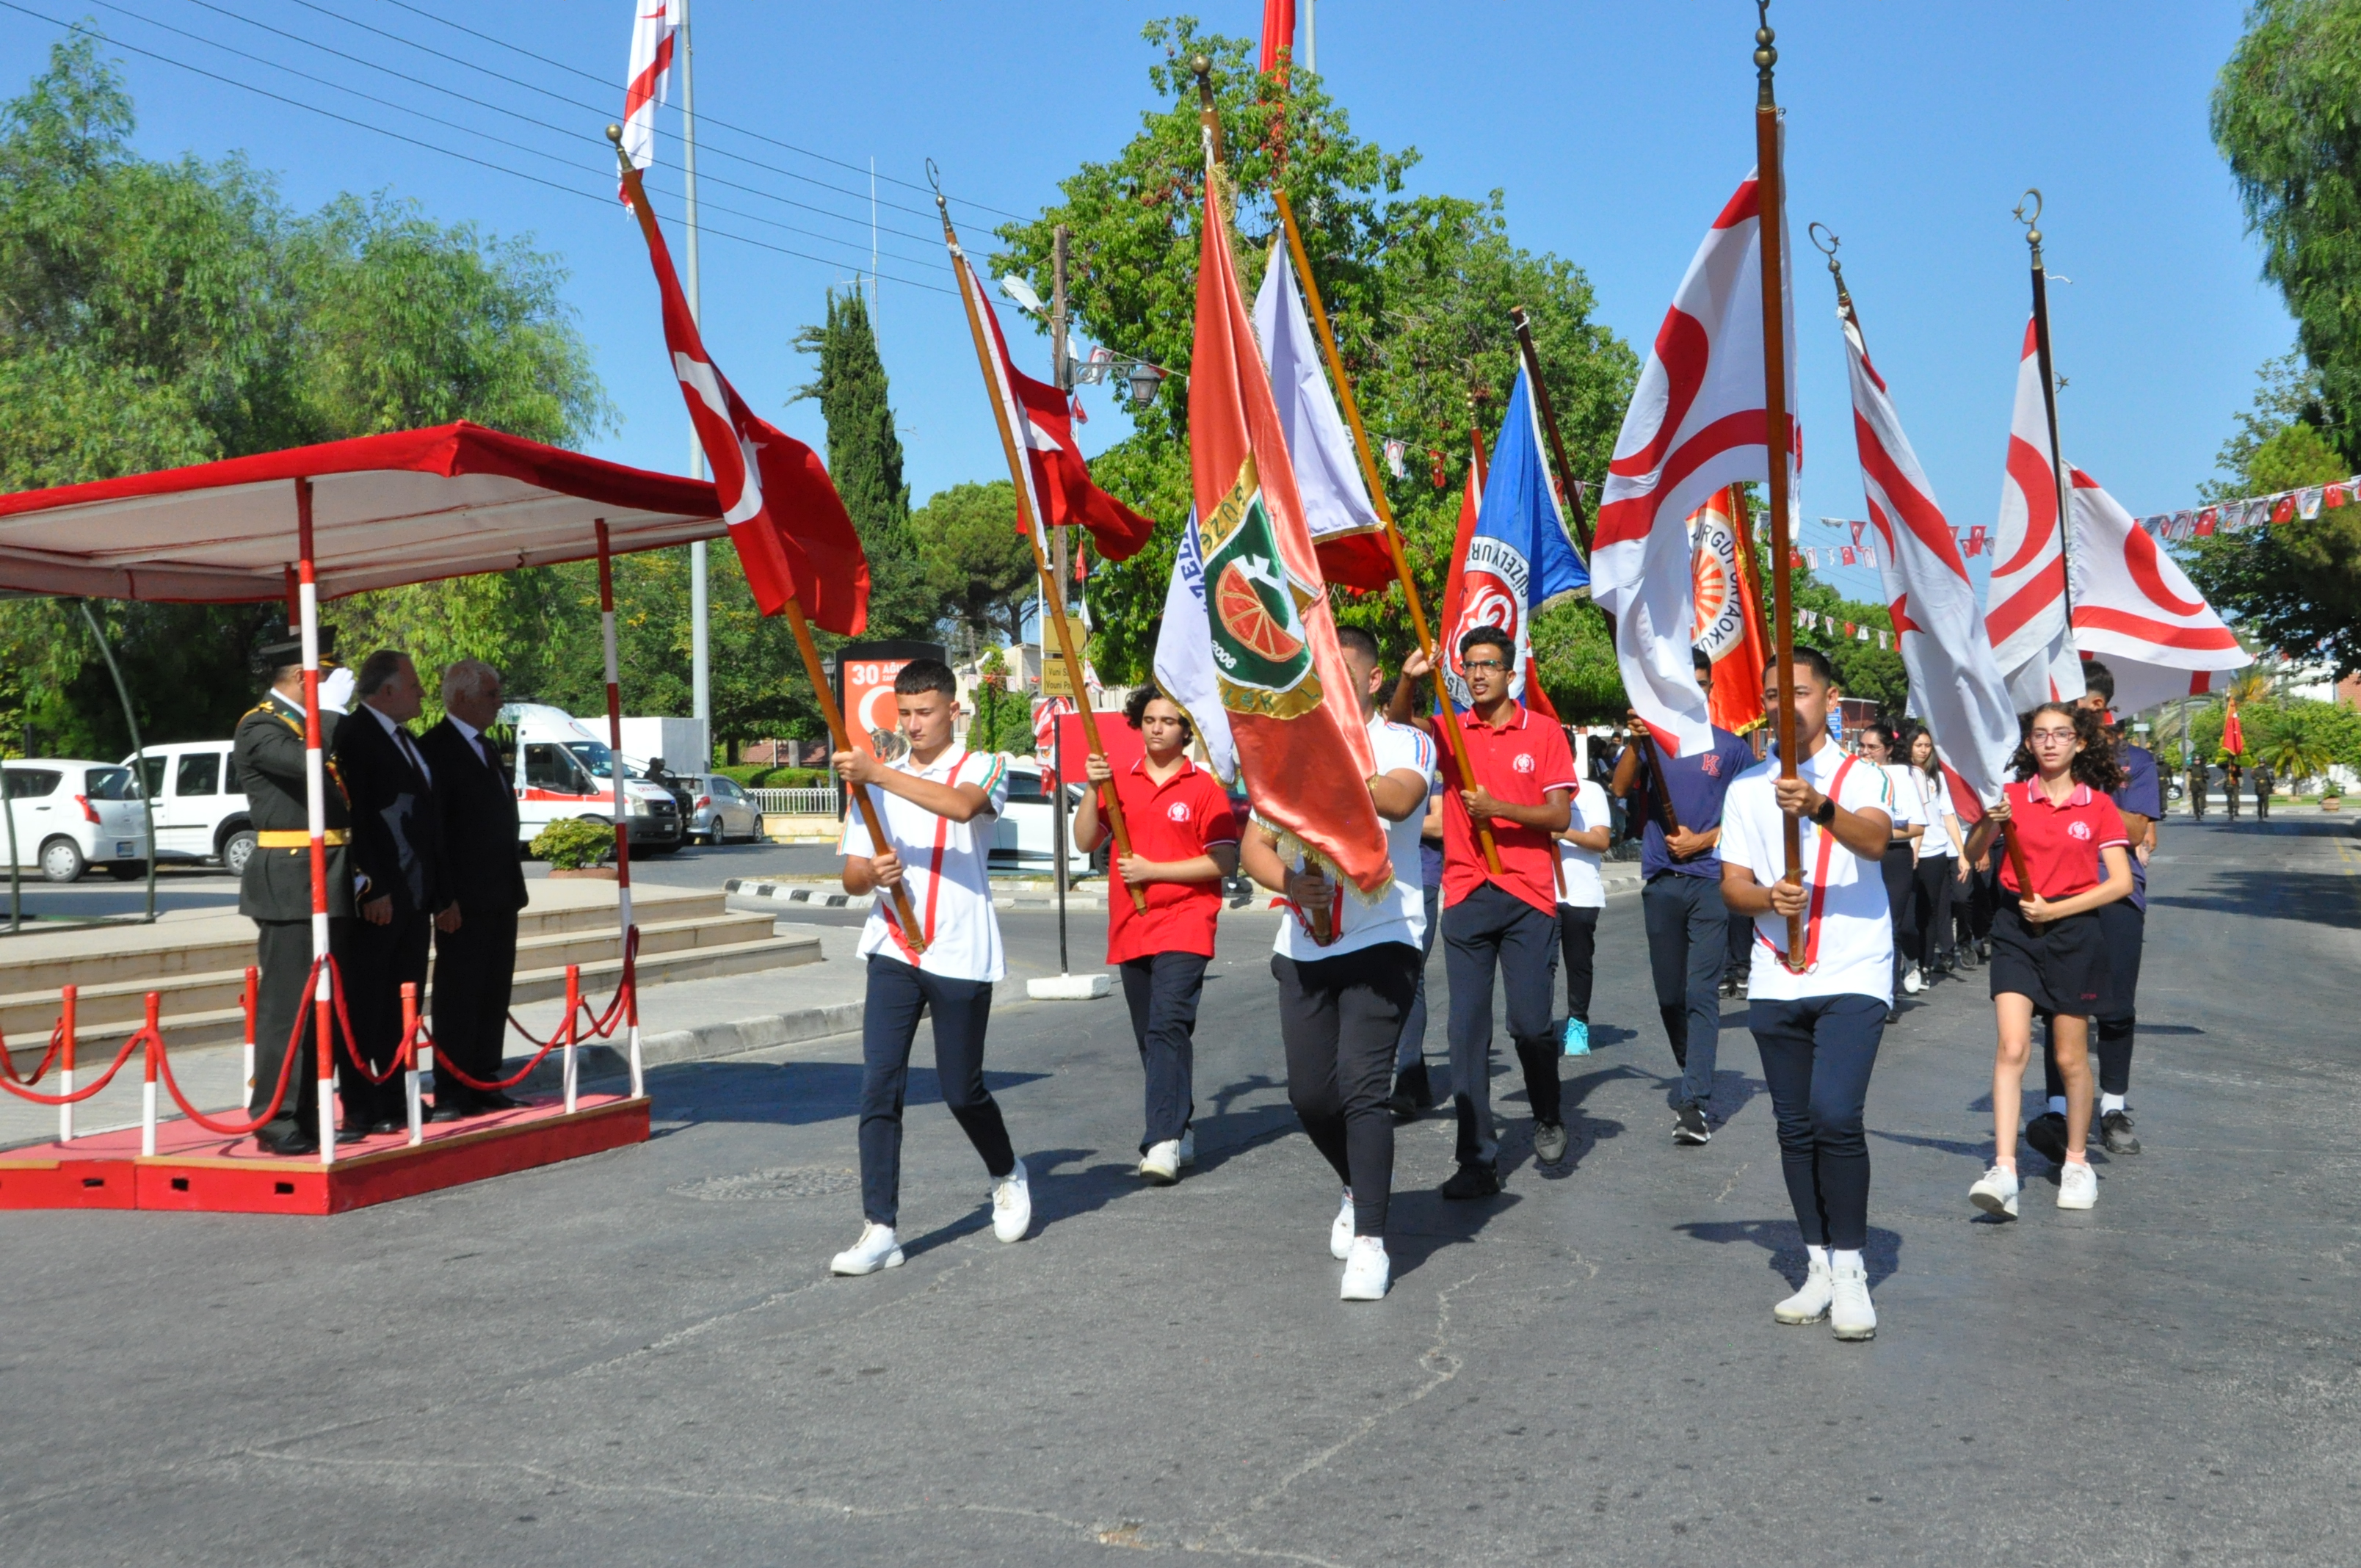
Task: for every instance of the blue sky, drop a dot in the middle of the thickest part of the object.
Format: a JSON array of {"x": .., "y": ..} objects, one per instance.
[{"x": 1616, "y": 132}]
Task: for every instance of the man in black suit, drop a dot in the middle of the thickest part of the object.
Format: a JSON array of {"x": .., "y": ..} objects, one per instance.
[
  {"x": 266, "y": 762},
  {"x": 400, "y": 884},
  {"x": 475, "y": 957}
]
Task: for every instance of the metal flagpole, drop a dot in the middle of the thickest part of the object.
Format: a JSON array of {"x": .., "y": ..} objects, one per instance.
[
  {"x": 622, "y": 819},
  {"x": 700, "y": 651},
  {"x": 1772, "y": 233},
  {"x": 2049, "y": 406}
]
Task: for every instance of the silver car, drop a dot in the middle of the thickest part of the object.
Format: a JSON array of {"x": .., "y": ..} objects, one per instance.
[{"x": 720, "y": 810}]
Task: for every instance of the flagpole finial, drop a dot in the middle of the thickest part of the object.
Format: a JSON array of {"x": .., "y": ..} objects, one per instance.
[
  {"x": 1766, "y": 55},
  {"x": 615, "y": 135},
  {"x": 622, "y": 158},
  {"x": 2031, "y": 221},
  {"x": 1826, "y": 240}
]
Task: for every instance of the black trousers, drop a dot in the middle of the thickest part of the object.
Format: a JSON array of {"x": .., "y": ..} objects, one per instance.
[
  {"x": 283, "y": 953},
  {"x": 1897, "y": 871},
  {"x": 963, "y": 1008},
  {"x": 381, "y": 958},
  {"x": 1929, "y": 931},
  {"x": 474, "y": 972},
  {"x": 1816, "y": 1055},
  {"x": 1411, "y": 1051},
  {"x": 1688, "y": 942},
  {"x": 1162, "y": 991},
  {"x": 2262, "y": 805},
  {"x": 1339, "y": 1019},
  {"x": 1492, "y": 927},
  {"x": 2123, "y": 926},
  {"x": 1740, "y": 960},
  {"x": 1577, "y": 940}
]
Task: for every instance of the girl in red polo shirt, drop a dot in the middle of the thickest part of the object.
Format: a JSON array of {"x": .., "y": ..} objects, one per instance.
[
  {"x": 1183, "y": 842},
  {"x": 2048, "y": 953}
]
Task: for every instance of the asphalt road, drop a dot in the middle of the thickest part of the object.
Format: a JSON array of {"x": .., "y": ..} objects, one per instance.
[{"x": 640, "y": 1357}]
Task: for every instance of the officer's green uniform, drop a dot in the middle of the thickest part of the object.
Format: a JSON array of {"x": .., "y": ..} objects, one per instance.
[{"x": 267, "y": 761}]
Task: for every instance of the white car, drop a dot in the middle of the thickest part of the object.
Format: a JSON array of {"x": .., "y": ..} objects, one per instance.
[
  {"x": 67, "y": 816},
  {"x": 199, "y": 810},
  {"x": 1022, "y": 838}
]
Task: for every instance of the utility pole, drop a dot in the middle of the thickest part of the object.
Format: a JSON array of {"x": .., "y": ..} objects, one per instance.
[
  {"x": 701, "y": 653},
  {"x": 1062, "y": 375},
  {"x": 1311, "y": 35}
]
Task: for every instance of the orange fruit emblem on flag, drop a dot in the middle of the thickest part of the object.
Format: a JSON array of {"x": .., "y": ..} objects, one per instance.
[{"x": 1245, "y": 618}]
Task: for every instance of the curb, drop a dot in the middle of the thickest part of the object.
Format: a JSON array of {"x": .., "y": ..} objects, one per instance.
[
  {"x": 810, "y": 896},
  {"x": 709, "y": 1041}
]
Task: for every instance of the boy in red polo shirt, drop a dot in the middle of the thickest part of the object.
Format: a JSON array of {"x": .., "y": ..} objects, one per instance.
[
  {"x": 1524, "y": 783},
  {"x": 1183, "y": 842}
]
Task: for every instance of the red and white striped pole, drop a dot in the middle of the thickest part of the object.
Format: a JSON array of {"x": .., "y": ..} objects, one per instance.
[
  {"x": 66, "y": 1066},
  {"x": 148, "y": 1089},
  {"x": 623, "y": 832},
  {"x": 572, "y": 1011},
  {"x": 410, "y": 1059},
  {"x": 252, "y": 999},
  {"x": 315, "y": 809}
]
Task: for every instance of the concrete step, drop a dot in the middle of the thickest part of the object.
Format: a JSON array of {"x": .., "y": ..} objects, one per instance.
[{"x": 96, "y": 1041}]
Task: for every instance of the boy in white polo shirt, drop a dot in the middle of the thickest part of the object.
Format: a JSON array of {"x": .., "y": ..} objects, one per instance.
[
  {"x": 1817, "y": 1029},
  {"x": 938, "y": 807}
]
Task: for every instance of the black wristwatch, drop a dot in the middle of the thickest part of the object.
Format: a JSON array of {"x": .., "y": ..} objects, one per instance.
[{"x": 1826, "y": 812}]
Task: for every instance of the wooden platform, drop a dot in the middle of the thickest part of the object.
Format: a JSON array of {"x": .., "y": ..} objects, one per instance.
[{"x": 193, "y": 1170}]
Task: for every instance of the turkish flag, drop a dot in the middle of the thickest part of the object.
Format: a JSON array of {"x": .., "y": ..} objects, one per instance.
[
  {"x": 1058, "y": 482},
  {"x": 790, "y": 526}
]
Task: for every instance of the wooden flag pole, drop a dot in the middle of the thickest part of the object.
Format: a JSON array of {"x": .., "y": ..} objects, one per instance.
[
  {"x": 1052, "y": 591},
  {"x": 1771, "y": 232},
  {"x": 2049, "y": 403},
  {"x": 1573, "y": 502},
  {"x": 839, "y": 735},
  {"x": 1448, "y": 716}
]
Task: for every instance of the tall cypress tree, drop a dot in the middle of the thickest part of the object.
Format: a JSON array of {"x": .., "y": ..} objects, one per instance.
[{"x": 865, "y": 458}]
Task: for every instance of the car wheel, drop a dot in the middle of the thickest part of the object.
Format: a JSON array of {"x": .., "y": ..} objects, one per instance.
[
  {"x": 127, "y": 871},
  {"x": 61, "y": 860},
  {"x": 235, "y": 851}
]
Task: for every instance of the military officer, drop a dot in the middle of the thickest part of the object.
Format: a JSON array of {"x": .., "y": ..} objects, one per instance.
[{"x": 275, "y": 893}]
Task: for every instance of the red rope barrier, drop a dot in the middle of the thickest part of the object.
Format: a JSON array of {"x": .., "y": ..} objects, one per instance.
[
  {"x": 442, "y": 1066},
  {"x": 79, "y": 1095},
  {"x": 57, "y": 1043},
  {"x": 601, "y": 1024},
  {"x": 232, "y": 1129}
]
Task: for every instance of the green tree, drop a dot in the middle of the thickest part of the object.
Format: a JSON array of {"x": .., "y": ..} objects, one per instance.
[
  {"x": 155, "y": 313},
  {"x": 979, "y": 567},
  {"x": 1419, "y": 287},
  {"x": 864, "y": 459},
  {"x": 2295, "y": 583}
]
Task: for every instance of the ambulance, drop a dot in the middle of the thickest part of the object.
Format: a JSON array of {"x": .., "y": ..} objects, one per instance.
[{"x": 561, "y": 768}]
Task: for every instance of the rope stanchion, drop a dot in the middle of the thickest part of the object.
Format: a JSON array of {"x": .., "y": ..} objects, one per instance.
[
  {"x": 252, "y": 999},
  {"x": 149, "y": 1033},
  {"x": 70, "y": 997},
  {"x": 573, "y": 1009},
  {"x": 408, "y": 1056}
]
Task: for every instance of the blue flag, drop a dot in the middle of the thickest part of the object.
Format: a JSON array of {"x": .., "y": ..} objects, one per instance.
[{"x": 1516, "y": 559}]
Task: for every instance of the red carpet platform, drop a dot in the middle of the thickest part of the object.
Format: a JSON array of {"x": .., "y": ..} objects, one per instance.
[{"x": 193, "y": 1170}]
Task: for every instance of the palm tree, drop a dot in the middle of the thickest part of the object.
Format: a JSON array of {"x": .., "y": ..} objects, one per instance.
[{"x": 2290, "y": 741}]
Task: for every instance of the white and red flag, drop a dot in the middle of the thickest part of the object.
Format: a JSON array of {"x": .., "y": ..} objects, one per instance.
[
  {"x": 1697, "y": 422},
  {"x": 1058, "y": 485},
  {"x": 2136, "y": 610},
  {"x": 1954, "y": 680},
  {"x": 789, "y": 526},
  {"x": 653, "y": 23},
  {"x": 2026, "y": 618}
]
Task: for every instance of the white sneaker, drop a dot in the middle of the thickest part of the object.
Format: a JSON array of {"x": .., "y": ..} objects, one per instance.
[
  {"x": 1810, "y": 1304},
  {"x": 1012, "y": 1205},
  {"x": 1188, "y": 1147},
  {"x": 2078, "y": 1185},
  {"x": 1161, "y": 1162},
  {"x": 1911, "y": 981},
  {"x": 877, "y": 1248},
  {"x": 1366, "y": 1271},
  {"x": 1340, "y": 1234},
  {"x": 1996, "y": 1192},
  {"x": 1849, "y": 1313}
]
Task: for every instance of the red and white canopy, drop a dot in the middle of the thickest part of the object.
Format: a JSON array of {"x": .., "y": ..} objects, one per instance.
[{"x": 410, "y": 506}]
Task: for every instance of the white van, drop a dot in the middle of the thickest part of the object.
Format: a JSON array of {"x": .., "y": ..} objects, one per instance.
[
  {"x": 199, "y": 810},
  {"x": 564, "y": 768}
]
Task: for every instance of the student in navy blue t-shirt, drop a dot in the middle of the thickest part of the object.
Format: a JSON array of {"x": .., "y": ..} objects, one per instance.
[
  {"x": 2124, "y": 924},
  {"x": 1680, "y": 896}
]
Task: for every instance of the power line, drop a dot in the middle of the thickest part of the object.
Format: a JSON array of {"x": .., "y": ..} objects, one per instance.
[
  {"x": 589, "y": 76},
  {"x": 606, "y": 201},
  {"x": 859, "y": 221}
]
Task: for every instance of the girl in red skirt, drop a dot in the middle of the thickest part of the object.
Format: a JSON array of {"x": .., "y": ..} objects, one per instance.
[{"x": 2048, "y": 954}]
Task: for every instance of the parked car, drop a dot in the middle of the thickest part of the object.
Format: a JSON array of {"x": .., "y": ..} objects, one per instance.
[
  {"x": 69, "y": 815},
  {"x": 199, "y": 810},
  {"x": 719, "y": 810},
  {"x": 1021, "y": 839}
]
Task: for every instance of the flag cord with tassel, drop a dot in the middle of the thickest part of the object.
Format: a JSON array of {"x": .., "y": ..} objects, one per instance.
[{"x": 1052, "y": 591}]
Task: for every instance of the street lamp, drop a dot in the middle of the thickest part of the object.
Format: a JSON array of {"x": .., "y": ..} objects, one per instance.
[{"x": 1144, "y": 380}]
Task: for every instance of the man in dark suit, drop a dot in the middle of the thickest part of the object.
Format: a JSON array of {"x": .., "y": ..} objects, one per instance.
[
  {"x": 399, "y": 885},
  {"x": 475, "y": 960},
  {"x": 266, "y": 762}
]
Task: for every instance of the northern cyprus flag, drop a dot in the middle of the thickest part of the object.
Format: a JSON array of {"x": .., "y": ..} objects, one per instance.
[
  {"x": 2026, "y": 618},
  {"x": 2137, "y": 611}
]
